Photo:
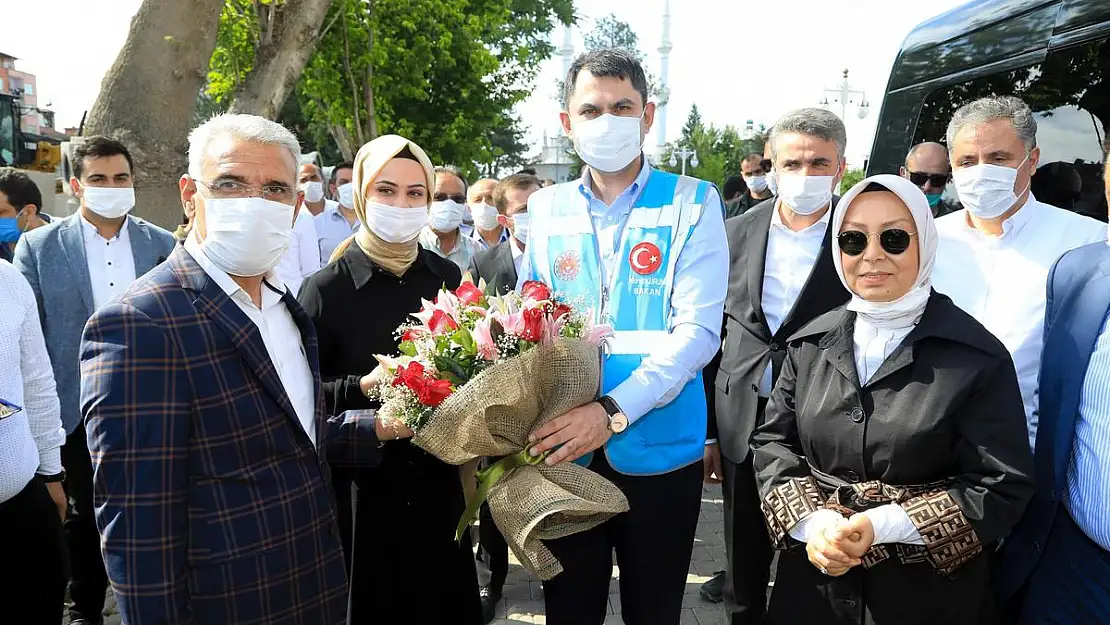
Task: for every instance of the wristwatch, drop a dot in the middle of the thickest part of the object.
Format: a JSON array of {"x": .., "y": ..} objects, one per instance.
[
  {"x": 57, "y": 477},
  {"x": 618, "y": 422}
]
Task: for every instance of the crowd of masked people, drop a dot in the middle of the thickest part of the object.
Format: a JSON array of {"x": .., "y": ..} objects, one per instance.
[{"x": 908, "y": 399}]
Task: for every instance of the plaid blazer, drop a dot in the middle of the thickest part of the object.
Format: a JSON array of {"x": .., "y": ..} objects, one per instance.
[{"x": 213, "y": 505}]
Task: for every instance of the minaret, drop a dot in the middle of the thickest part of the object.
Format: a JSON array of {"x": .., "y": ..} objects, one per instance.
[
  {"x": 567, "y": 51},
  {"x": 664, "y": 92}
]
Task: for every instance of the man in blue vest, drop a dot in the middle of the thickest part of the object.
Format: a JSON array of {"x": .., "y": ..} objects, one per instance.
[{"x": 646, "y": 250}]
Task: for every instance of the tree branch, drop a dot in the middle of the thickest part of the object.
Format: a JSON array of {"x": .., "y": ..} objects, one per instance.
[
  {"x": 368, "y": 88},
  {"x": 351, "y": 81},
  {"x": 341, "y": 12}
]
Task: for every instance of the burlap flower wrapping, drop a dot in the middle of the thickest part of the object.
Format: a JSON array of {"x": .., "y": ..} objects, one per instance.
[{"x": 493, "y": 414}]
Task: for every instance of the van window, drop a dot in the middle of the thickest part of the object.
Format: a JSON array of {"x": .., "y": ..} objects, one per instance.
[{"x": 1070, "y": 95}]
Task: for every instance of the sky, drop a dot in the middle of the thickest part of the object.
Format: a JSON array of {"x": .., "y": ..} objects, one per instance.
[{"x": 737, "y": 59}]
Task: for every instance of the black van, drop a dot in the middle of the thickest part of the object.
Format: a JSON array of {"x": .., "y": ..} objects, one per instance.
[{"x": 1054, "y": 54}]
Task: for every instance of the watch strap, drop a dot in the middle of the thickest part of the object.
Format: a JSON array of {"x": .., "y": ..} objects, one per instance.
[
  {"x": 56, "y": 477},
  {"x": 609, "y": 405}
]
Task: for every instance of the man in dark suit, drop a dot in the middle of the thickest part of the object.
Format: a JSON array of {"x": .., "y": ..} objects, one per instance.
[
  {"x": 202, "y": 397},
  {"x": 498, "y": 266},
  {"x": 1055, "y": 566},
  {"x": 781, "y": 277},
  {"x": 75, "y": 266}
]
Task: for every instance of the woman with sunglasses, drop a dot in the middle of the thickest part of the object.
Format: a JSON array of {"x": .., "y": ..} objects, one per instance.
[{"x": 894, "y": 454}]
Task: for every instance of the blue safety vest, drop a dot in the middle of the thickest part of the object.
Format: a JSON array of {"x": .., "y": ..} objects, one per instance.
[{"x": 635, "y": 300}]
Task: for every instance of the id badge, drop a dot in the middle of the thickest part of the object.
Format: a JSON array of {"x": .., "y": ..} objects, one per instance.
[{"x": 7, "y": 409}]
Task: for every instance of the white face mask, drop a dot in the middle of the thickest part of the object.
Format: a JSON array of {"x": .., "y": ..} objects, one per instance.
[
  {"x": 109, "y": 202},
  {"x": 393, "y": 224},
  {"x": 485, "y": 216},
  {"x": 246, "y": 236},
  {"x": 805, "y": 195},
  {"x": 347, "y": 194},
  {"x": 773, "y": 182},
  {"x": 522, "y": 223},
  {"x": 313, "y": 191},
  {"x": 987, "y": 191},
  {"x": 445, "y": 216},
  {"x": 608, "y": 143},
  {"x": 757, "y": 184}
]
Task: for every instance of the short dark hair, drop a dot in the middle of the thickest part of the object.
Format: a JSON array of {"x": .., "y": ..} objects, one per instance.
[
  {"x": 515, "y": 181},
  {"x": 610, "y": 63},
  {"x": 335, "y": 170},
  {"x": 98, "y": 146},
  {"x": 19, "y": 188},
  {"x": 734, "y": 186},
  {"x": 528, "y": 170}
]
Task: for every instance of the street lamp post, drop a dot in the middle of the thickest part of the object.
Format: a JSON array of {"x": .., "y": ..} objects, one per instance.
[
  {"x": 683, "y": 154},
  {"x": 844, "y": 93}
]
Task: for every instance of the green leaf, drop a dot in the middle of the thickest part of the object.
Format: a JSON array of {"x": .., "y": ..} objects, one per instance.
[
  {"x": 464, "y": 340},
  {"x": 451, "y": 369},
  {"x": 407, "y": 348}
]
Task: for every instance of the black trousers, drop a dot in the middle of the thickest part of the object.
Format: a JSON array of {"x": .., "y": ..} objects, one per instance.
[
  {"x": 747, "y": 544},
  {"x": 493, "y": 553},
  {"x": 89, "y": 580},
  {"x": 32, "y": 557},
  {"x": 653, "y": 542}
]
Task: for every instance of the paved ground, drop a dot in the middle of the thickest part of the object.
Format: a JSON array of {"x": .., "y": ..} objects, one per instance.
[{"x": 523, "y": 596}]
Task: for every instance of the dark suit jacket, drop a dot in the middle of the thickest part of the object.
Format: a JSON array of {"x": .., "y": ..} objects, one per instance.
[
  {"x": 212, "y": 503},
  {"x": 746, "y": 342},
  {"x": 496, "y": 267},
  {"x": 1077, "y": 305},
  {"x": 52, "y": 258}
]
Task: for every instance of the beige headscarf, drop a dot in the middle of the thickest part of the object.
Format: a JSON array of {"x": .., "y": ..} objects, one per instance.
[{"x": 371, "y": 158}]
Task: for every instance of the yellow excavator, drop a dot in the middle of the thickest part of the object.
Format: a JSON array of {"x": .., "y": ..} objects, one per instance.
[{"x": 24, "y": 150}]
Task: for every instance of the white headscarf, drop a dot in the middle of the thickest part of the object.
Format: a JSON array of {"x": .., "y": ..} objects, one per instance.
[{"x": 906, "y": 310}]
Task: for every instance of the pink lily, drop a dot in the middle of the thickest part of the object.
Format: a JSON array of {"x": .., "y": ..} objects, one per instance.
[{"x": 483, "y": 338}]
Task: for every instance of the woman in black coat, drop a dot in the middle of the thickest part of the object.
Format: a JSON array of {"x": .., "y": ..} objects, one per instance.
[
  {"x": 894, "y": 452},
  {"x": 404, "y": 559}
]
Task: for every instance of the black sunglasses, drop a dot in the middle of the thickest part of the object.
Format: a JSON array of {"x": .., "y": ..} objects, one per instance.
[
  {"x": 936, "y": 180},
  {"x": 766, "y": 165},
  {"x": 893, "y": 240},
  {"x": 443, "y": 197}
]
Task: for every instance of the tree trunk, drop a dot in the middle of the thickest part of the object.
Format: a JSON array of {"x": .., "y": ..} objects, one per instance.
[
  {"x": 148, "y": 98},
  {"x": 287, "y": 43},
  {"x": 351, "y": 81}
]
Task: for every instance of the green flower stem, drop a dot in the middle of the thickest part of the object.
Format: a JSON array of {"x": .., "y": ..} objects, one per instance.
[{"x": 488, "y": 477}]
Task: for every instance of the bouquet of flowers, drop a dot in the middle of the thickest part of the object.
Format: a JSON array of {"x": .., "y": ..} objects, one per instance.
[{"x": 477, "y": 374}]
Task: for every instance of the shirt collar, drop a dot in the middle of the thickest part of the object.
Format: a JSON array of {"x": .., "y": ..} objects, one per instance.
[
  {"x": 363, "y": 269},
  {"x": 227, "y": 284},
  {"x": 821, "y": 224},
  {"x": 1014, "y": 224},
  {"x": 515, "y": 246},
  {"x": 585, "y": 182},
  {"x": 90, "y": 232}
]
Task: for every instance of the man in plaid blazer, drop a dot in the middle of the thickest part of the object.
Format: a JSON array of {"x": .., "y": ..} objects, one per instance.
[{"x": 201, "y": 393}]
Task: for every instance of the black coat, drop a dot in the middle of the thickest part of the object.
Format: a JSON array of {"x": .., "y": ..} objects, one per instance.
[
  {"x": 746, "y": 342},
  {"x": 939, "y": 429},
  {"x": 408, "y": 506},
  {"x": 496, "y": 267}
]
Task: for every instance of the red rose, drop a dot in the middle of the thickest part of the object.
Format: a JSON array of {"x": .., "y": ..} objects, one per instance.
[
  {"x": 559, "y": 310},
  {"x": 442, "y": 323},
  {"x": 434, "y": 392},
  {"x": 533, "y": 325},
  {"x": 468, "y": 294},
  {"x": 411, "y": 376},
  {"x": 536, "y": 290}
]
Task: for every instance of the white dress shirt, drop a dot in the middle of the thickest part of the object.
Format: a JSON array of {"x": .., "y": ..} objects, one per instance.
[
  {"x": 464, "y": 251},
  {"x": 111, "y": 264},
  {"x": 302, "y": 259},
  {"x": 1001, "y": 280},
  {"x": 30, "y": 440},
  {"x": 697, "y": 297},
  {"x": 872, "y": 346},
  {"x": 332, "y": 228},
  {"x": 518, "y": 253},
  {"x": 279, "y": 332},
  {"x": 789, "y": 261}
]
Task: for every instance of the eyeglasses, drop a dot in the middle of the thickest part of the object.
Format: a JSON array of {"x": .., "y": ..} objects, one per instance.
[
  {"x": 893, "y": 240},
  {"x": 919, "y": 178},
  {"x": 443, "y": 197},
  {"x": 235, "y": 189}
]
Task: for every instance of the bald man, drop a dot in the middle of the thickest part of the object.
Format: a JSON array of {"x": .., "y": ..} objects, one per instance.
[{"x": 927, "y": 167}]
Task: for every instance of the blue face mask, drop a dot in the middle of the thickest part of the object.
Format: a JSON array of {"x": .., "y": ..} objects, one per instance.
[
  {"x": 9, "y": 230},
  {"x": 934, "y": 198}
]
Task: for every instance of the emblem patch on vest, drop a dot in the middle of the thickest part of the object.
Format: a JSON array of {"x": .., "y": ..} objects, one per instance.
[
  {"x": 567, "y": 265},
  {"x": 645, "y": 258}
]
